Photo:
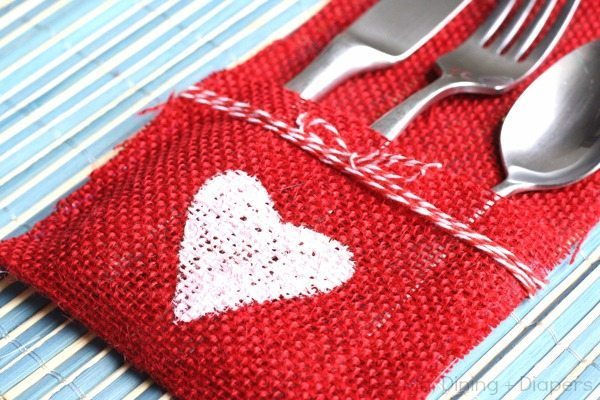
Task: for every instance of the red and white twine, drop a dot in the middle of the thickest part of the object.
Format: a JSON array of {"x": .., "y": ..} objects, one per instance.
[{"x": 373, "y": 170}]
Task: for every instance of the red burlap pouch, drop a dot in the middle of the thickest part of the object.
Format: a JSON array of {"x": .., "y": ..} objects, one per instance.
[{"x": 250, "y": 244}]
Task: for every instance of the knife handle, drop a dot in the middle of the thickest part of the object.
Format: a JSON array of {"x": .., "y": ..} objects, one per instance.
[{"x": 344, "y": 57}]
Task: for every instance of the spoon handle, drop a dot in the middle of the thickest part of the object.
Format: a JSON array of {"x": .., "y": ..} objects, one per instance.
[{"x": 509, "y": 187}]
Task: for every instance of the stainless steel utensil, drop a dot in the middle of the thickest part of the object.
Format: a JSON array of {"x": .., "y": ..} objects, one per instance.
[
  {"x": 388, "y": 33},
  {"x": 551, "y": 136},
  {"x": 486, "y": 68}
]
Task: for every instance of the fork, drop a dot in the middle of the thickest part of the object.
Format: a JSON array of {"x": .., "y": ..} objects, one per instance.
[{"x": 485, "y": 66}]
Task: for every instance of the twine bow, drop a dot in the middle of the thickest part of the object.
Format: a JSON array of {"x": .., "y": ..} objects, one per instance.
[{"x": 377, "y": 170}]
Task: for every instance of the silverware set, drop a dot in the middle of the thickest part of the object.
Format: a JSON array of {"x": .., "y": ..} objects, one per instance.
[{"x": 550, "y": 137}]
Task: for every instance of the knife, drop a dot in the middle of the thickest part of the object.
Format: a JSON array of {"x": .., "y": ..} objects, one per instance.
[{"x": 387, "y": 33}]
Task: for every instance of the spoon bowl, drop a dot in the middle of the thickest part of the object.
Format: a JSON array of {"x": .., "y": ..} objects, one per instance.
[{"x": 551, "y": 136}]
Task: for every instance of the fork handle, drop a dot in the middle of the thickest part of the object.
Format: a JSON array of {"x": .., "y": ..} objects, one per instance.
[
  {"x": 344, "y": 57},
  {"x": 392, "y": 123}
]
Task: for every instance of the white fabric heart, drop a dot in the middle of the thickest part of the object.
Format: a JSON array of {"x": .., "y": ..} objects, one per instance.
[{"x": 236, "y": 251}]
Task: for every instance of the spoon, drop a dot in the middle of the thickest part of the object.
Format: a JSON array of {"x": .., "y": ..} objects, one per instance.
[{"x": 550, "y": 137}]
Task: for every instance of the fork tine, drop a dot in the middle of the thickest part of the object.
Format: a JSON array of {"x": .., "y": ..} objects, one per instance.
[
  {"x": 493, "y": 22},
  {"x": 541, "y": 51},
  {"x": 509, "y": 32},
  {"x": 532, "y": 31}
]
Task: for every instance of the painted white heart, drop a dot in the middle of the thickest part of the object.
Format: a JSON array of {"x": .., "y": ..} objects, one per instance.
[{"x": 236, "y": 251}]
